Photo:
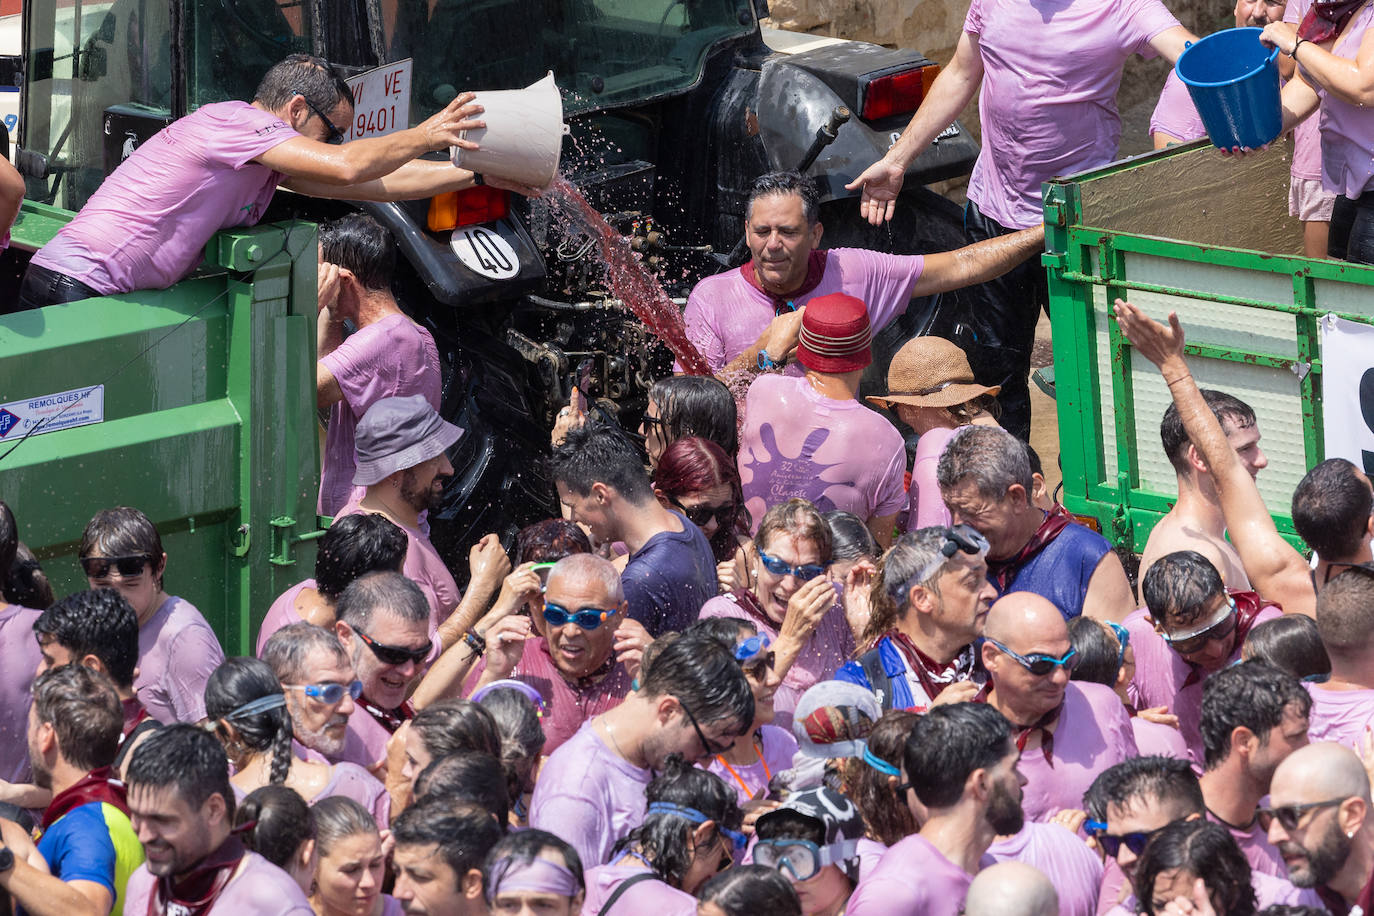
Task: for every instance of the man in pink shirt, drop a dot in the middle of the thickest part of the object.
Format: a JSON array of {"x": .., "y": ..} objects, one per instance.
[
  {"x": 741, "y": 318},
  {"x": 317, "y": 677},
  {"x": 811, "y": 438},
  {"x": 1059, "y": 853},
  {"x": 147, "y": 225},
  {"x": 1067, "y": 732},
  {"x": 1333, "y": 512},
  {"x": 962, "y": 764},
  {"x": 1253, "y": 716},
  {"x": 1343, "y": 706},
  {"x": 387, "y": 356}
]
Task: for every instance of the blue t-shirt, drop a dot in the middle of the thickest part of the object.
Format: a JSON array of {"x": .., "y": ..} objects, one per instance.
[
  {"x": 93, "y": 842},
  {"x": 668, "y": 579}
]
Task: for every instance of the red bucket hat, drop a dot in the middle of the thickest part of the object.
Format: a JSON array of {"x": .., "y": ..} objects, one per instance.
[{"x": 836, "y": 335}]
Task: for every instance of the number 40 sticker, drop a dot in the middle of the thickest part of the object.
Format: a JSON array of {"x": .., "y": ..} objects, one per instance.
[{"x": 485, "y": 252}]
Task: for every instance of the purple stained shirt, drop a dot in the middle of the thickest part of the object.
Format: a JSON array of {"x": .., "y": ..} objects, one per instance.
[
  {"x": 1175, "y": 114},
  {"x": 364, "y": 742},
  {"x": 1254, "y": 842},
  {"x": 890, "y": 890},
  {"x": 829, "y": 647},
  {"x": 589, "y": 795},
  {"x": 147, "y": 224},
  {"x": 837, "y": 454},
  {"x": 1154, "y": 739},
  {"x": 177, "y": 653},
  {"x": 391, "y": 358},
  {"x": 725, "y": 314},
  {"x": 1048, "y": 103},
  {"x": 282, "y": 613},
  {"x": 1346, "y": 136},
  {"x": 20, "y": 655},
  {"x": 423, "y": 566},
  {"x": 1269, "y": 891},
  {"x": 1340, "y": 715},
  {"x": 1093, "y": 734},
  {"x": 1073, "y": 868},
  {"x": 258, "y": 887},
  {"x": 870, "y": 853},
  {"x": 668, "y": 579},
  {"x": 652, "y": 896},
  {"x": 925, "y": 505},
  {"x": 778, "y": 748},
  {"x": 350, "y": 781}
]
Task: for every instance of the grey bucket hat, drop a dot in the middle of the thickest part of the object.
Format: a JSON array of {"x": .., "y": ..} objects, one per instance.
[{"x": 399, "y": 433}]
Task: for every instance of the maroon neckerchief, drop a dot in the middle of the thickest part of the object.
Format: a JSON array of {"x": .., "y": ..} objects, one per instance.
[
  {"x": 1336, "y": 903},
  {"x": 1327, "y": 18},
  {"x": 99, "y": 785},
  {"x": 750, "y": 602},
  {"x": 389, "y": 719},
  {"x": 196, "y": 892},
  {"x": 1001, "y": 572},
  {"x": 1248, "y": 606},
  {"x": 925, "y": 668},
  {"x": 815, "y": 270},
  {"x": 134, "y": 714},
  {"x": 1043, "y": 725}
]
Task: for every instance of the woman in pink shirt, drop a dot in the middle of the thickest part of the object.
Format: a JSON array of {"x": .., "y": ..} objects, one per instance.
[
  {"x": 276, "y": 823},
  {"x": 351, "y": 863},
  {"x": 872, "y": 780}
]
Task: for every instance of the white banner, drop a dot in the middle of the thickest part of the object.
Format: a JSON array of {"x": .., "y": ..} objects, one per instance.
[
  {"x": 1348, "y": 390},
  {"x": 381, "y": 101}
]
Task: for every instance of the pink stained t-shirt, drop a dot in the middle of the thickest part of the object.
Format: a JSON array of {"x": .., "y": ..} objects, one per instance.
[
  {"x": 870, "y": 853},
  {"x": 1340, "y": 715},
  {"x": 1093, "y": 734},
  {"x": 423, "y": 566},
  {"x": 391, "y": 358},
  {"x": 177, "y": 653},
  {"x": 258, "y": 887},
  {"x": 645, "y": 897},
  {"x": 589, "y": 795},
  {"x": 725, "y": 314},
  {"x": 829, "y": 647},
  {"x": 364, "y": 742},
  {"x": 1154, "y": 739},
  {"x": 748, "y": 779},
  {"x": 1346, "y": 134},
  {"x": 1175, "y": 114},
  {"x": 566, "y": 705},
  {"x": 925, "y": 505},
  {"x": 19, "y": 658},
  {"x": 1073, "y": 868},
  {"x": 1051, "y": 71},
  {"x": 282, "y": 613},
  {"x": 353, "y": 782},
  {"x": 837, "y": 454},
  {"x": 1269, "y": 891},
  {"x": 147, "y": 224},
  {"x": 1263, "y": 857},
  {"x": 890, "y": 890}
]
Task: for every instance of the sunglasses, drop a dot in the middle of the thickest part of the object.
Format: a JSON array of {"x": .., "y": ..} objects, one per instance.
[
  {"x": 1111, "y": 843},
  {"x": 329, "y": 693},
  {"x": 335, "y": 136},
  {"x": 776, "y": 567},
  {"x": 395, "y": 655},
  {"x": 1038, "y": 663},
  {"x": 651, "y": 423},
  {"x": 724, "y": 514},
  {"x": 1123, "y": 638},
  {"x": 707, "y": 744},
  {"x": 802, "y": 858},
  {"x": 1337, "y": 568},
  {"x": 958, "y": 539},
  {"x": 1197, "y": 640},
  {"x": 127, "y": 567},
  {"x": 1290, "y": 815},
  {"x": 586, "y": 618}
]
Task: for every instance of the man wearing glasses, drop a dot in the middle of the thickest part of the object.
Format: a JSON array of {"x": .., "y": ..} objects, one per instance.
[
  {"x": 693, "y": 700},
  {"x": 1067, "y": 732},
  {"x": 321, "y": 690}
]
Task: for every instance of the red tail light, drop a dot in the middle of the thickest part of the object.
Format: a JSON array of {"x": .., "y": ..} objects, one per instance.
[
  {"x": 468, "y": 207},
  {"x": 896, "y": 93}
]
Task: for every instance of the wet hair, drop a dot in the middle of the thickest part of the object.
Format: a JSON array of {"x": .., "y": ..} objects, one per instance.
[
  {"x": 1291, "y": 643},
  {"x": 468, "y": 778},
  {"x": 522, "y": 848},
  {"x": 788, "y": 824},
  {"x": 850, "y": 538},
  {"x": 463, "y": 833},
  {"x": 1153, "y": 780},
  {"x": 281, "y": 821},
  {"x": 242, "y": 680},
  {"x": 725, "y": 630},
  {"x": 186, "y": 758},
  {"x": 456, "y": 724},
  {"x": 693, "y": 464},
  {"x": 751, "y": 890},
  {"x": 664, "y": 839},
  {"x": 1252, "y": 695},
  {"x": 697, "y": 405},
  {"x": 887, "y": 817},
  {"x": 339, "y": 817},
  {"x": 897, "y": 571},
  {"x": 800, "y": 519},
  {"x": 595, "y": 453},
  {"x": 1178, "y": 587},
  {"x": 374, "y": 591},
  {"x": 703, "y": 676},
  {"x": 354, "y": 546},
  {"x": 947, "y": 744},
  {"x": 25, "y": 584},
  {"x": 521, "y": 733},
  {"x": 1098, "y": 652},
  {"x": 1331, "y": 508},
  {"x": 287, "y": 652},
  {"x": 1206, "y": 850},
  {"x": 9, "y": 542},
  {"x": 360, "y": 244},
  {"x": 302, "y": 74},
  {"x": 789, "y": 182},
  {"x": 97, "y": 622},
  {"x": 988, "y": 456},
  {"x": 588, "y": 568},
  {"x": 84, "y": 710},
  {"x": 1226, "y": 408},
  {"x": 549, "y": 541},
  {"x": 1345, "y": 613},
  {"x": 123, "y": 532}
]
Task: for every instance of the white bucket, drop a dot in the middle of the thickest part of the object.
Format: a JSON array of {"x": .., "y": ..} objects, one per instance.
[{"x": 523, "y": 137}]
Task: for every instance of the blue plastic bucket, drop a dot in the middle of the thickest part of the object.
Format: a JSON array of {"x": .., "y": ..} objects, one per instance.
[{"x": 1234, "y": 82}]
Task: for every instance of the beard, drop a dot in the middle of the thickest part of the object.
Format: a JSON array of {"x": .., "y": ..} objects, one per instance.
[
  {"x": 421, "y": 500},
  {"x": 1004, "y": 812},
  {"x": 1320, "y": 864}
]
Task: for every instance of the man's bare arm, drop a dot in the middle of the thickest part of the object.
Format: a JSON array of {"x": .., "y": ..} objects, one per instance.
[
  {"x": 1109, "y": 594},
  {"x": 978, "y": 263}
]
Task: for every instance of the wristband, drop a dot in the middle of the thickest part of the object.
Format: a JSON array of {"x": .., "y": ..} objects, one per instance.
[
  {"x": 478, "y": 644},
  {"x": 765, "y": 362},
  {"x": 478, "y": 180},
  {"x": 1294, "y": 53}
]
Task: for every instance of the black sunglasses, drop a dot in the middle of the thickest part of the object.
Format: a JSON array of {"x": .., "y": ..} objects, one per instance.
[
  {"x": 707, "y": 745},
  {"x": 335, "y": 136},
  {"x": 1289, "y": 815},
  {"x": 724, "y": 514},
  {"x": 1111, "y": 843},
  {"x": 395, "y": 655},
  {"x": 127, "y": 567}
]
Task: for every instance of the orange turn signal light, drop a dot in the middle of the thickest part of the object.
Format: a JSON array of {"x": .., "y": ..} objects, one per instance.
[{"x": 468, "y": 207}]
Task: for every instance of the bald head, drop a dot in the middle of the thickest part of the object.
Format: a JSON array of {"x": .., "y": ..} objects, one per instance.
[
  {"x": 1024, "y": 621},
  {"x": 1319, "y": 772},
  {"x": 1011, "y": 889}
]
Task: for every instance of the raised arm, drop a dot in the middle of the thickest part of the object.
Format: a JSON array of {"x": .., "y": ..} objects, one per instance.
[
  {"x": 977, "y": 263},
  {"x": 1275, "y": 569}
]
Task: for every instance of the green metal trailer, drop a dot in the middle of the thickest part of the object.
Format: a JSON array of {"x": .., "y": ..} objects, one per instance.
[
  {"x": 195, "y": 404},
  {"x": 1190, "y": 231}
]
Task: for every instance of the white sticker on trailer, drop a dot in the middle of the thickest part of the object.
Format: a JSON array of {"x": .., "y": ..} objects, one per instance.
[
  {"x": 51, "y": 412},
  {"x": 485, "y": 252}
]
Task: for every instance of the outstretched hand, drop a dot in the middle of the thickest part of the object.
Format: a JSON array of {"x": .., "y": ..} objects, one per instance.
[
  {"x": 881, "y": 183},
  {"x": 1151, "y": 339},
  {"x": 445, "y": 127}
]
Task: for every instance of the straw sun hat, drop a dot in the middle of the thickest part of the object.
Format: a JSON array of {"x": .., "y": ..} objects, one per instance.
[{"x": 931, "y": 372}]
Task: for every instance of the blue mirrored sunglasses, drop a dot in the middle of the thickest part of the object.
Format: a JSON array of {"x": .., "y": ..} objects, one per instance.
[
  {"x": 1123, "y": 638},
  {"x": 1038, "y": 663},
  {"x": 329, "y": 693}
]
